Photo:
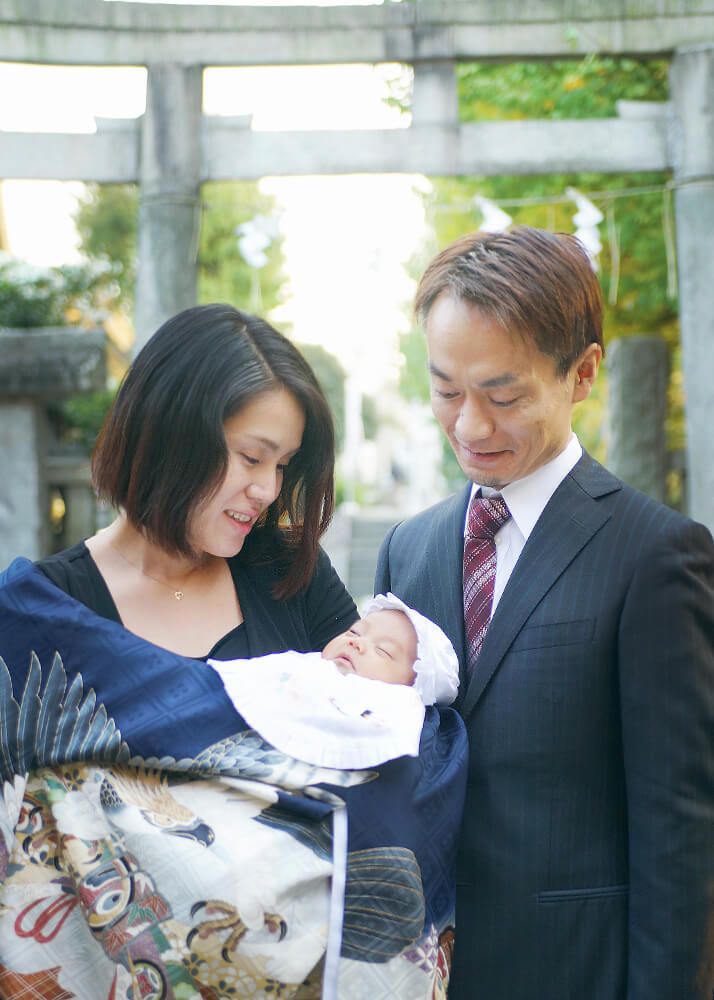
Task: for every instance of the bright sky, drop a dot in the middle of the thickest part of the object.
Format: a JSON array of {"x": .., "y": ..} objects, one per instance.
[{"x": 346, "y": 238}]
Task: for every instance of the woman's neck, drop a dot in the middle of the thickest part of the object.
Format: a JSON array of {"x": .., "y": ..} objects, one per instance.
[{"x": 148, "y": 558}]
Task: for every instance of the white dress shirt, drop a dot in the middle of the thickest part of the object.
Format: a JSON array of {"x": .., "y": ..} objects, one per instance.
[{"x": 526, "y": 499}]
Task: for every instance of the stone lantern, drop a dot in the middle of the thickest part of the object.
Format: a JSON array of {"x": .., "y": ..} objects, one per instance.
[{"x": 37, "y": 365}]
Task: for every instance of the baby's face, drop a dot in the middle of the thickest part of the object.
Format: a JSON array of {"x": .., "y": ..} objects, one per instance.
[{"x": 382, "y": 647}]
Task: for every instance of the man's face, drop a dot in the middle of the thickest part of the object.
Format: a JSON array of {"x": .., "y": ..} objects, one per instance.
[
  {"x": 498, "y": 398},
  {"x": 381, "y": 647}
]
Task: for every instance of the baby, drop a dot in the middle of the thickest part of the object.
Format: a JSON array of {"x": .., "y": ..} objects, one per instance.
[
  {"x": 359, "y": 702},
  {"x": 381, "y": 646}
]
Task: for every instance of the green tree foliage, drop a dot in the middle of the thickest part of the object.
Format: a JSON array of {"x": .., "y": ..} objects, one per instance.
[
  {"x": 370, "y": 418},
  {"x": 76, "y": 421},
  {"x": 414, "y": 376},
  {"x": 223, "y": 274},
  {"x": 50, "y": 296},
  {"x": 331, "y": 377},
  {"x": 107, "y": 222},
  {"x": 586, "y": 89},
  {"x": 634, "y": 264},
  {"x": 71, "y": 295}
]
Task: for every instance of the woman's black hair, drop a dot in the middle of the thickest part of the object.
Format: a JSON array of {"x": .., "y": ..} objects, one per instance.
[{"x": 162, "y": 448}]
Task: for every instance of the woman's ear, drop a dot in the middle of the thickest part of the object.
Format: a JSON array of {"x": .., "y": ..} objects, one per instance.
[{"x": 586, "y": 370}]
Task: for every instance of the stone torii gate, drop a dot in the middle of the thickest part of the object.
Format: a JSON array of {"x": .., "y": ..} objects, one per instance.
[{"x": 174, "y": 148}]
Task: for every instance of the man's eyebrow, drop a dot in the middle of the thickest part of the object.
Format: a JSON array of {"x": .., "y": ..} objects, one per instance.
[
  {"x": 434, "y": 370},
  {"x": 508, "y": 378}
]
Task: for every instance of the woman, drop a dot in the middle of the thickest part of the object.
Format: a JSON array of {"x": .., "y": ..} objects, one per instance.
[
  {"x": 219, "y": 455},
  {"x": 151, "y": 844}
]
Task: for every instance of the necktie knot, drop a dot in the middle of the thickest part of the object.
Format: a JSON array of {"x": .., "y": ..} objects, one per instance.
[{"x": 486, "y": 516}]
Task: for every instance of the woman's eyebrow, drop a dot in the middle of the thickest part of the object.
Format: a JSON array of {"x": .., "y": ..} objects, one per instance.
[
  {"x": 268, "y": 442},
  {"x": 257, "y": 439}
]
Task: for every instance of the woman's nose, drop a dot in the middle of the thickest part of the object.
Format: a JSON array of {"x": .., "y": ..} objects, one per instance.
[{"x": 265, "y": 486}]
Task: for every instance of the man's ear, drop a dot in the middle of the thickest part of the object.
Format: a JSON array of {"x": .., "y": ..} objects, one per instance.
[{"x": 586, "y": 370}]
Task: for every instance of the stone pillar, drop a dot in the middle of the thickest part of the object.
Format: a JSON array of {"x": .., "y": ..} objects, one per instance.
[
  {"x": 23, "y": 490},
  {"x": 435, "y": 99},
  {"x": 692, "y": 85},
  {"x": 637, "y": 377},
  {"x": 169, "y": 198}
]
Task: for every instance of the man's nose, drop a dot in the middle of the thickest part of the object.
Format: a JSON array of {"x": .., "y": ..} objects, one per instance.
[{"x": 474, "y": 422}]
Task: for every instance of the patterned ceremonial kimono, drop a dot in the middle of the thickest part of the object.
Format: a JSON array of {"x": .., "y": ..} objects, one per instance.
[{"x": 151, "y": 845}]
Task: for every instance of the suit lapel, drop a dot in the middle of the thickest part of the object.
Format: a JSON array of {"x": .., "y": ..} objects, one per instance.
[{"x": 570, "y": 519}]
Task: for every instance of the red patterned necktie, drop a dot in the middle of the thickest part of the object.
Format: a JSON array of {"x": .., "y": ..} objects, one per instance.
[{"x": 486, "y": 516}]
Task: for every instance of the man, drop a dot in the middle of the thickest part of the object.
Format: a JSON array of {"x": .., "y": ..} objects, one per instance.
[{"x": 586, "y": 865}]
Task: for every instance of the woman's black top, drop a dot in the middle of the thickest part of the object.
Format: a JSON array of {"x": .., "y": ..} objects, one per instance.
[{"x": 305, "y": 622}]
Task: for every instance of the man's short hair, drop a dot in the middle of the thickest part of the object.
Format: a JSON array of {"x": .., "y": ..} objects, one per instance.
[{"x": 537, "y": 284}]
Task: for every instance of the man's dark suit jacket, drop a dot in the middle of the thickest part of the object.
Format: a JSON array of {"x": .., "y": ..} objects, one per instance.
[{"x": 586, "y": 868}]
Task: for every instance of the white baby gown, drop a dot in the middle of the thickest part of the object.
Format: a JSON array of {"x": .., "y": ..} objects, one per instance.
[{"x": 303, "y": 705}]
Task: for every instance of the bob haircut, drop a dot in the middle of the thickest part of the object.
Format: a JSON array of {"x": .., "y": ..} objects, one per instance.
[
  {"x": 162, "y": 449},
  {"x": 538, "y": 284}
]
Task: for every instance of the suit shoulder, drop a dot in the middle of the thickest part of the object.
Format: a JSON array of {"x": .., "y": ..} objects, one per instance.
[
  {"x": 645, "y": 516},
  {"x": 442, "y": 512}
]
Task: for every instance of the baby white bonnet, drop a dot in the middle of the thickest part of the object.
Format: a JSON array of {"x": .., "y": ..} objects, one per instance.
[{"x": 437, "y": 666}]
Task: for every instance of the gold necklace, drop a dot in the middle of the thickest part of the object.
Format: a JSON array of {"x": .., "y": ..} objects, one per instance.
[{"x": 178, "y": 594}]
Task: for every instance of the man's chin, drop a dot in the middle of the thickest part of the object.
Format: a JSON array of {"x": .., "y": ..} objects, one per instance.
[
  {"x": 494, "y": 473},
  {"x": 485, "y": 477}
]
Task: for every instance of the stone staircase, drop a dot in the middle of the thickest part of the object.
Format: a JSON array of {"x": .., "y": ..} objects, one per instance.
[{"x": 352, "y": 544}]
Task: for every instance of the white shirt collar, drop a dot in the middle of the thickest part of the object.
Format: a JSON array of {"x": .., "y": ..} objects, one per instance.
[{"x": 527, "y": 497}]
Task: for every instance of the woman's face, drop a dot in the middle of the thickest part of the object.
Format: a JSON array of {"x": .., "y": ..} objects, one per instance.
[{"x": 261, "y": 439}]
